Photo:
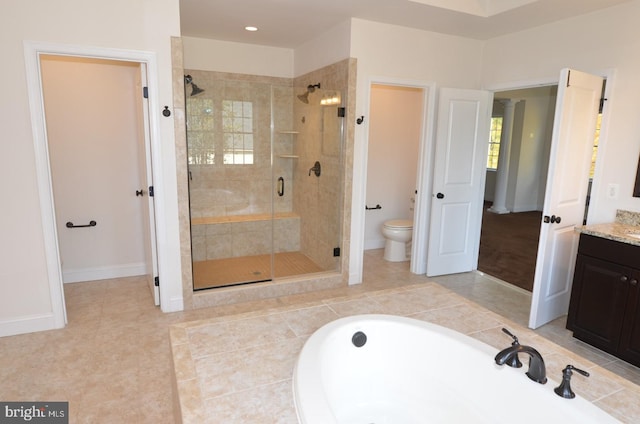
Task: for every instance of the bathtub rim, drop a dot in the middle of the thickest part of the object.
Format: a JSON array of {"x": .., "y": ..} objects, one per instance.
[
  {"x": 317, "y": 407},
  {"x": 309, "y": 356}
]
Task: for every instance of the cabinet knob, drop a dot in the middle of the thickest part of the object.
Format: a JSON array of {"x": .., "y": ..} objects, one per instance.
[
  {"x": 633, "y": 282},
  {"x": 624, "y": 278}
]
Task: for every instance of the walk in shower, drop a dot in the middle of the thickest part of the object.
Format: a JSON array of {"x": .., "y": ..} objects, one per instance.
[{"x": 265, "y": 169}]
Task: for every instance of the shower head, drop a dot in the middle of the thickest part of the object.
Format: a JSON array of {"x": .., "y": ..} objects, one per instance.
[
  {"x": 304, "y": 98},
  {"x": 195, "y": 90}
]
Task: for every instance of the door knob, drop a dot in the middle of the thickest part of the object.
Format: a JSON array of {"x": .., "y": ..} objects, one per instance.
[
  {"x": 440, "y": 196},
  {"x": 551, "y": 219}
]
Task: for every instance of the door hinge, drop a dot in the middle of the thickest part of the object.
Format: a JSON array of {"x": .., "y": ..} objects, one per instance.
[
  {"x": 342, "y": 112},
  {"x": 156, "y": 281},
  {"x": 602, "y": 100},
  {"x": 336, "y": 251},
  {"x": 150, "y": 191},
  {"x": 145, "y": 92}
]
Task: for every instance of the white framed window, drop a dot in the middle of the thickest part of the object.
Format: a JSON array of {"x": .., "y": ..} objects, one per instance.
[
  {"x": 494, "y": 142},
  {"x": 237, "y": 132}
]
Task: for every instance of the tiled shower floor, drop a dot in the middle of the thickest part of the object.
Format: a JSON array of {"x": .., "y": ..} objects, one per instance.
[
  {"x": 113, "y": 362},
  {"x": 224, "y": 272}
]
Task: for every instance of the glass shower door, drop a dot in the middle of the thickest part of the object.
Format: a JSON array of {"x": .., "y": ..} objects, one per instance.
[{"x": 229, "y": 154}]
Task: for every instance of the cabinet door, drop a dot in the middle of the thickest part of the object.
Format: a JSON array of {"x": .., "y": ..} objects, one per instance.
[
  {"x": 630, "y": 339},
  {"x": 599, "y": 297}
]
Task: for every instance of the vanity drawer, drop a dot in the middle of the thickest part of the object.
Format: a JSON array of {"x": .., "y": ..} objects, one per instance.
[{"x": 610, "y": 250}]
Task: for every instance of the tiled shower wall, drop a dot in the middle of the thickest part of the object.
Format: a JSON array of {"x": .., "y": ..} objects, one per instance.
[
  {"x": 222, "y": 189},
  {"x": 319, "y": 200},
  {"x": 303, "y": 134},
  {"x": 303, "y": 284}
]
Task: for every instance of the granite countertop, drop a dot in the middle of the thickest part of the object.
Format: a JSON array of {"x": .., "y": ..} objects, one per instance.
[{"x": 625, "y": 229}]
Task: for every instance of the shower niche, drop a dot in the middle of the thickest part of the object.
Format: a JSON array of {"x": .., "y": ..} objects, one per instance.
[{"x": 257, "y": 213}]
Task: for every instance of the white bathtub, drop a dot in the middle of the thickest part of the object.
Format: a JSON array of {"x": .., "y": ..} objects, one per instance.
[{"x": 411, "y": 371}]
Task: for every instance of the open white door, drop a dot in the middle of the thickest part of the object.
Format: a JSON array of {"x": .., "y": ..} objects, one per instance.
[
  {"x": 146, "y": 170},
  {"x": 565, "y": 196},
  {"x": 462, "y": 135}
]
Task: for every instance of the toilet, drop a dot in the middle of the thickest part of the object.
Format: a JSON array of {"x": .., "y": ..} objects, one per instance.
[{"x": 397, "y": 233}]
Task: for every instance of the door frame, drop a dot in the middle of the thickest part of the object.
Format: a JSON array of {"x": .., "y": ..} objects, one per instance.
[
  {"x": 32, "y": 51},
  {"x": 609, "y": 76},
  {"x": 418, "y": 264}
]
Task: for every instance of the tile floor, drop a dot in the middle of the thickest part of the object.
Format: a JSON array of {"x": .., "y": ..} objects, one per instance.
[{"x": 113, "y": 361}]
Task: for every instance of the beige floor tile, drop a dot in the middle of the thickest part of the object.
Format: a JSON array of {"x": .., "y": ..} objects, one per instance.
[{"x": 113, "y": 360}]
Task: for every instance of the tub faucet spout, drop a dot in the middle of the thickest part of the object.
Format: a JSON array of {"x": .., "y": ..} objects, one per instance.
[{"x": 537, "y": 370}]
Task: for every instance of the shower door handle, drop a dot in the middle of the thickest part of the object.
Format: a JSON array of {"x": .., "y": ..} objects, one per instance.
[{"x": 280, "y": 186}]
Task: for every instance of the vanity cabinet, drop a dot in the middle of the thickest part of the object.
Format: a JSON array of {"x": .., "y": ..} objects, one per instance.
[{"x": 604, "y": 310}]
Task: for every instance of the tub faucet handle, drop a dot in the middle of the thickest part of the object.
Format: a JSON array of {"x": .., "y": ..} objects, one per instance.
[
  {"x": 513, "y": 361},
  {"x": 564, "y": 389}
]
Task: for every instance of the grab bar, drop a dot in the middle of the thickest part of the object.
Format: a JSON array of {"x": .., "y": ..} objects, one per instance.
[
  {"x": 90, "y": 224},
  {"x": 375, "y": 207}
]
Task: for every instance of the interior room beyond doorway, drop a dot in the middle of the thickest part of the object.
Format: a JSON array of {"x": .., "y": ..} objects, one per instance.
[{"x": 522, "y": 125}]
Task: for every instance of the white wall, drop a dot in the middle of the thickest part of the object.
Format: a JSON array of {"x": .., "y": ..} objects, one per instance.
[
  {"x": 530, "y": 144},
  {"x": 122, "y": 24},
  {"x": 605, "y": 42},
  {"x": 226, "y": 56},
  {"x": 395, "y": 129},
  {"x": 93, "y": 135},
  {"x": 330, "y": 47}
]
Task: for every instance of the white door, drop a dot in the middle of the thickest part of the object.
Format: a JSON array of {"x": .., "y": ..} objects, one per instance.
[
  {"x": 462, "y": 135},
  {"x": 146, "y": 171},
  {"x": 565, "y": 196}
]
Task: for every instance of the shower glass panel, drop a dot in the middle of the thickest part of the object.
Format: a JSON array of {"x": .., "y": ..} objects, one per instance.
[{"x": 257, "y": 213}]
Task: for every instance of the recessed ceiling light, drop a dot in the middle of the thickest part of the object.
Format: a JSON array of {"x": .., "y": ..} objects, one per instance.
[{"x": 251, "y": 28}]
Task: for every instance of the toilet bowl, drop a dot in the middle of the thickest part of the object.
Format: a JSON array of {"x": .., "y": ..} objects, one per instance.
[{"x": 397, "y": 233}]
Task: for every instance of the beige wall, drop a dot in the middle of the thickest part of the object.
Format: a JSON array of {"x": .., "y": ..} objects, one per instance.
[
  {"x": 395, "y": 132},
  {"x": 144, "y": 25},
  {"x": 93, "y": 130}
]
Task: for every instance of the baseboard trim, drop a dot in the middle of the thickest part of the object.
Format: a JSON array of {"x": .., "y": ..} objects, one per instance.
[
  {"x": 176, "y": 304},
  {"x": 104, "y": 273},
  {"x": 28, "y": 324},
  {"x": 374, "y": 244}
]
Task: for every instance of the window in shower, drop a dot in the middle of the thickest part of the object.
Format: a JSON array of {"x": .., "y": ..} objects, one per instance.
[{"x": 237, "y": 128}]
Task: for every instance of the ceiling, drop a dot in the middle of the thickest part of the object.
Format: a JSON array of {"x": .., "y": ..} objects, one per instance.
[{"x": 290, "y": 23}]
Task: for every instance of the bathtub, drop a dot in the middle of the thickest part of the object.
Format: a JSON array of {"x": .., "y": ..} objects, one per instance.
[{"x": 410, "y": 371}]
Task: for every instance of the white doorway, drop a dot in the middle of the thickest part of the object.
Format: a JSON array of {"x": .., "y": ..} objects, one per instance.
[
  {"x": 97, "y": 141},
  {"x": 97, "y": 157},
  {"x": 398, "y": 162},
  {"x": 147, "y": 132}
]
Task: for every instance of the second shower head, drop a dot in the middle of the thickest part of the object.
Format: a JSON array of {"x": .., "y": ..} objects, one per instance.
[{"x": 304, "y": 97}]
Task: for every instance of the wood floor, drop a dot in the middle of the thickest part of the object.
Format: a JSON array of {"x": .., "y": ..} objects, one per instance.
[
  {"x": 509, "y": 245},
  {"x": 229, "y": 271}
]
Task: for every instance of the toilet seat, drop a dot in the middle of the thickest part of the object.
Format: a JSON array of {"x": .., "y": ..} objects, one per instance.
[{"x": 399, "y": 224}]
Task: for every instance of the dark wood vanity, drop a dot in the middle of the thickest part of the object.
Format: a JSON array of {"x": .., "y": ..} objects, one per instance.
[{"x": 605, "y": 299}]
